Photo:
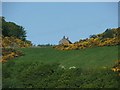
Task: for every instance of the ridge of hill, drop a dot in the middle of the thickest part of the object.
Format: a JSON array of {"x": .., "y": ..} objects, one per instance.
[{"x": 108, "y": 38}]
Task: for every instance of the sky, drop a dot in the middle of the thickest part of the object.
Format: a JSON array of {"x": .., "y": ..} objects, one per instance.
[
  {"x": 48, "y": 22},
  {"x": 60, "y": 0}
]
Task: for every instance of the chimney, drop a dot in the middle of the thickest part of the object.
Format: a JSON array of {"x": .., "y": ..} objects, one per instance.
[{"x": 63, "y": 37}]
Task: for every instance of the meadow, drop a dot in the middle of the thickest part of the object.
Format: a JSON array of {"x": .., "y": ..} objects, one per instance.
[
  {"x": 51, "y": 68},
  {"x": 97, "y": 57}
]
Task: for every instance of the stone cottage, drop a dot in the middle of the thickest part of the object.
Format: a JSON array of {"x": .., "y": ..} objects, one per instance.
[{"x": 64, "y": 41}]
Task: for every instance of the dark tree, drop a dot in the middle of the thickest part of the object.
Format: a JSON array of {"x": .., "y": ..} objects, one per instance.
[{"x": 12, "y": 29}]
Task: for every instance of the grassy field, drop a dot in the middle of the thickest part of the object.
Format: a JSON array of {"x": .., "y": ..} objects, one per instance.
[
  {"x": 98, "y": 57},
  {"x": 93, "y": 68}
]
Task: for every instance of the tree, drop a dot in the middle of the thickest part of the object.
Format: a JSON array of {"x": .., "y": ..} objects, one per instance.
[{"x": 12, "y": 29}]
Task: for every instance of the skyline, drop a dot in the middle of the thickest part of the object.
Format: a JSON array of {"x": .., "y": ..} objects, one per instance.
[{"x": 49, "y": 22}]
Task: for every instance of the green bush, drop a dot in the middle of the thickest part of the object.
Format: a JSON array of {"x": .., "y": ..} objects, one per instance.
[{"x": 34, "y": 75}]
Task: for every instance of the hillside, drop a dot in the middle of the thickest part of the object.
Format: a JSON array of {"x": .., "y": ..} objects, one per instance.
[
  {"x": 88, "y": 63},
  {"x": 99, "y": 56},
  {"x": 47, "y": 67}
]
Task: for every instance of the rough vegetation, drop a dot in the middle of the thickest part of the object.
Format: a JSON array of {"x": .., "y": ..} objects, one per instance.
[
  {"x": 12, "y": 42},
  {"x": 9, "y": 53},
  {"x": 109, "y": 38},
  {"x": 34, "y": 75},
  {"x": 13, "y": 36}
]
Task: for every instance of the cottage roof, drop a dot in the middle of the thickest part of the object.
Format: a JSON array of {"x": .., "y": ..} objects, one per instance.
[{"x": 65, "y": 41}]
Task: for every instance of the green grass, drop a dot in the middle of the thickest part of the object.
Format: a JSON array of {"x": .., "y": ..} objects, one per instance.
[
  {"x": 98, "y": 57},
  {"x": 39, "y": 67}
]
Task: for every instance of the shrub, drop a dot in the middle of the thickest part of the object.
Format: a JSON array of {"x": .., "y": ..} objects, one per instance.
[
  {"x": 109, "y": 38},
  {"x": 10, "y": 53},
  {"x": 12, "y": 42},
  {"x": 116, "y": 67},
  {"x": 34, "y": 75}
]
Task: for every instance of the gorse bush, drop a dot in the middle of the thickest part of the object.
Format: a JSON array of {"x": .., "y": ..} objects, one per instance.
[
  {"x": 10, "y": 53},
  {"x": 13, "y": 36},
  {"x": 12, "y": 42},
  {"x": 99, "y": 40},
  {"x": 92, "y": 42},
  {"x": 116, "y": 67}
]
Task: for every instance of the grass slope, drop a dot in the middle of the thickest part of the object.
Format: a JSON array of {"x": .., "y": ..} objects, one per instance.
[{"x": 88, "y": 58}]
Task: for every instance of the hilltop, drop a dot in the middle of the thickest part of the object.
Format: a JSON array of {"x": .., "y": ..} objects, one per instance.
[{"x": 108, "y": 38}]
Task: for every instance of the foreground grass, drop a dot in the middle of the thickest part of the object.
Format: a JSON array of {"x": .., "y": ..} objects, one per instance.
[{"x": 41, "y": 67}]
